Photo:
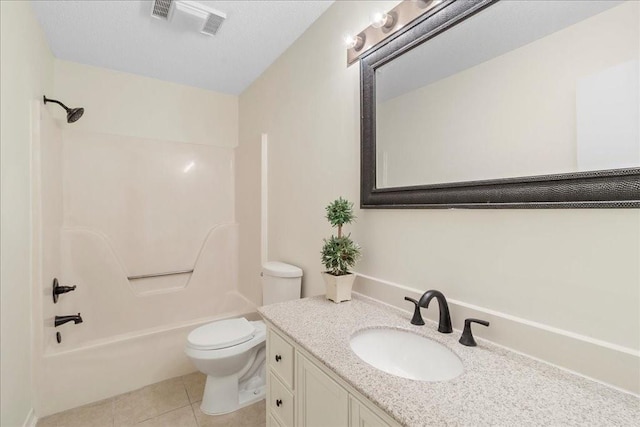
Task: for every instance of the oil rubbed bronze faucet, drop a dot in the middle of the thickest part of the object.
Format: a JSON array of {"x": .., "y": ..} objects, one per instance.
[
  {"x": 444, "y": 325},
  {"x": 61, "y": 320},
  {"x": 467, "y": 335}
]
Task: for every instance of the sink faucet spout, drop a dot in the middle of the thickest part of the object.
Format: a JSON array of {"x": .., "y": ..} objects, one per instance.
[{"x": 444, "y": 325}]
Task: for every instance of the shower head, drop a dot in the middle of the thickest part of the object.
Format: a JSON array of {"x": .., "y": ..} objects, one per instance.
[{"x": 73, "y": 114}]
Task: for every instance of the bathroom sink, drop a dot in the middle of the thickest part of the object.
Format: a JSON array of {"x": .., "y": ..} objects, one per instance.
[{"x": 405, "y": 354}]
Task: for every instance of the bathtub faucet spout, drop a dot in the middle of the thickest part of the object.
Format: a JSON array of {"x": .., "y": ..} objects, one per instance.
[{"x": 61, "y": 320}]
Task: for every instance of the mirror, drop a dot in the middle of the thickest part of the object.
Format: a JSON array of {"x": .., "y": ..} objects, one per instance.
[{"x": 506, "y": 104}]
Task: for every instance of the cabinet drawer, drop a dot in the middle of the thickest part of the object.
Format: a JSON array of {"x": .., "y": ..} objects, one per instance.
[
  {"x": 280, "y": 401},
  {"x": 280, "y": 358}
]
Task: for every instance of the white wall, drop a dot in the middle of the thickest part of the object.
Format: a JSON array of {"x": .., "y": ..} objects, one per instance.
[
  {"x": 574, "y": 272},
  {"x": 26, "y": 74},
  {"x": 130, "y": 105},
  {"x": 308, "y": 104}
]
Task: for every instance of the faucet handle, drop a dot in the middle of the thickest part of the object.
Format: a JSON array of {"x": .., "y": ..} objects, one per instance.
[
  {"x": 417, "y": 316},
  {"x": 58, "y": 289},
  {"x": 467, "y": 335}
]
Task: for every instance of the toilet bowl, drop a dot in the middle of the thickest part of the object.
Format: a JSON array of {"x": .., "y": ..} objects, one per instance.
[{"x": 231, "y": 353}]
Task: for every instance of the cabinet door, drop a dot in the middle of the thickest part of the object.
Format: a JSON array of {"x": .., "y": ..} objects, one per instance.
[
  {"x": 361, "y": 416},
  {"x": 321, "y": 401},
  {"x": 271, "y": 422}
]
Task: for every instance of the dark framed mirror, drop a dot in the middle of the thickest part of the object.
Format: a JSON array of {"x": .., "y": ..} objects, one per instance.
[{"x": 505, "y": 104}]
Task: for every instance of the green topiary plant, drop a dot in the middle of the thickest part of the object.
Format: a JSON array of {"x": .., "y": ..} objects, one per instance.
[{"x": 340, "y": 253}]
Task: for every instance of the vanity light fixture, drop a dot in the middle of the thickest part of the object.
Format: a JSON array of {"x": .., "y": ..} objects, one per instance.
[
  {"x": 354, "y": 42},
  {"x": 383, "y": 20},
  {"x": 386, "y": 24}
]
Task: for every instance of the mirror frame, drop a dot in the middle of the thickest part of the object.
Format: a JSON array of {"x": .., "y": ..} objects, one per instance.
[{"x": 615, "y": 188}]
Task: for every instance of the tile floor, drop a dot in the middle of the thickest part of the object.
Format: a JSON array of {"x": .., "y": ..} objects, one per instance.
[{"x": 171, "y": 403}]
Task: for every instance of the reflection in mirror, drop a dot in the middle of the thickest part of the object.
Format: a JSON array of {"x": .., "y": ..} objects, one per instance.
[{"x": 522, "y": 88}]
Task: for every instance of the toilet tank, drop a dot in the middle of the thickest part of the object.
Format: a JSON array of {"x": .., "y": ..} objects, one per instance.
[{"x": 280, "y": 282}]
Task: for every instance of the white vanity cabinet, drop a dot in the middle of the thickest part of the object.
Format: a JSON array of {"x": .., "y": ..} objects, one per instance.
[
  {"x": 280, "y": 381},
  {"x": 321, "y": 401},
  {"x": 302, "y": 392},
  {"x": 362, "y": 416}
]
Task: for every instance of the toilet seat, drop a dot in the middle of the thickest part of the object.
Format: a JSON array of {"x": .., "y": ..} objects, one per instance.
[
  {"x": 222, "y": 353},
  {"x": 221, "y": 334}
]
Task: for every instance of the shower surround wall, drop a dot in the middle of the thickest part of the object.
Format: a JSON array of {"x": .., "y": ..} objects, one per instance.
[{"x": 115, "y": 204}]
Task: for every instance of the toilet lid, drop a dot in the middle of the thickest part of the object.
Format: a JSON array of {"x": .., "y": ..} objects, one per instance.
[{"x": 221, "y": 334}]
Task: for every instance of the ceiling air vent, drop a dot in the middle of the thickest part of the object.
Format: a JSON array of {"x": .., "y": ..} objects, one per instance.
[
  {"x": 211, "y": 18},
  {"x": 161, "y": 9},
  {"x": 208, "y": 20},
  {"x": 212, "y": 24}
]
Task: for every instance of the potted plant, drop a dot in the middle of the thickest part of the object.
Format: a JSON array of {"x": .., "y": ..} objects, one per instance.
[{"x": 339, "y": 253}]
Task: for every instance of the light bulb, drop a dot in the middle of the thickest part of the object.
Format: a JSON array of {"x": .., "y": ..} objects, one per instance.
[
  {"x": 379, "y": 19},
  {"x": 354, "y": 42},
  {"x": 350, "y": 41},
  {"x": 383, "y": 20}
]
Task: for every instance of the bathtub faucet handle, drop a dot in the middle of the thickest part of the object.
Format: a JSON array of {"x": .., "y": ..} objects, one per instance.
[{"x": 57, "y": 290}]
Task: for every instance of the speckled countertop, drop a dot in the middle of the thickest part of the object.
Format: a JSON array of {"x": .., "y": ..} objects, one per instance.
[{"x": 497, "y": 387}]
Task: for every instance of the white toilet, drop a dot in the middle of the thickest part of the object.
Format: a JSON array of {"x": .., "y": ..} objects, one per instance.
[{"x": 231, "y": 352}]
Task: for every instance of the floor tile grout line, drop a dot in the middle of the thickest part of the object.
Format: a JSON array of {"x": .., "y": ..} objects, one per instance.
[
  {"x": 185, "y": 387},
  {"x": 162, "y": 413},
  {"x": 193, "y": 411}
]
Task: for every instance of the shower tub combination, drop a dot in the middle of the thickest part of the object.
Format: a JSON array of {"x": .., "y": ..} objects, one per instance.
[{"x": 145, "y": 231}]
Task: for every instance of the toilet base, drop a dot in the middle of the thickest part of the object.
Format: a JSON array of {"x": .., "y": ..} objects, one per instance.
[{"x": 221, "y": 395}]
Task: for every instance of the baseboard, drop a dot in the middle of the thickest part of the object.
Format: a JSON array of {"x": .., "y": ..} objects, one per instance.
[
  {"x": 31, "y": 419},
  {"x": 611, "y": 364}
]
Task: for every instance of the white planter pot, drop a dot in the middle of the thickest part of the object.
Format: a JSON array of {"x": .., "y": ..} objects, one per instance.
[{"x": 338, "y": 287}]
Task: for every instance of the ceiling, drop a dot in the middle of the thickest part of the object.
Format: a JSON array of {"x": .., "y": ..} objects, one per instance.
[{"x": 122, "y": 35}]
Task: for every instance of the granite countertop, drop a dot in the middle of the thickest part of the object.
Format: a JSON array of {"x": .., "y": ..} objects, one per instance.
[{"x": 497, "y": 387}]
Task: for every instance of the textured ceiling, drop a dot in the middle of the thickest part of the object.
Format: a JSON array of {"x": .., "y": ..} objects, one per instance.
[{"x": 122, "y": 35}]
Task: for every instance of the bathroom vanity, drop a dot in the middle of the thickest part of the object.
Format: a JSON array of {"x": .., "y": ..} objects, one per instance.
[
  {"x": 315, "y": 379},
  {"x": 301, "y": 391}
]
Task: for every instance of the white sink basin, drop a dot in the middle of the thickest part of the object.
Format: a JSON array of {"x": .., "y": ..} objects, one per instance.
[{"x": 406, "y": 354}]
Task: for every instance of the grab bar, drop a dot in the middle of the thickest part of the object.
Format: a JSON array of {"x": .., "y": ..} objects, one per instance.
[{"x": 170, "y": 273}]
